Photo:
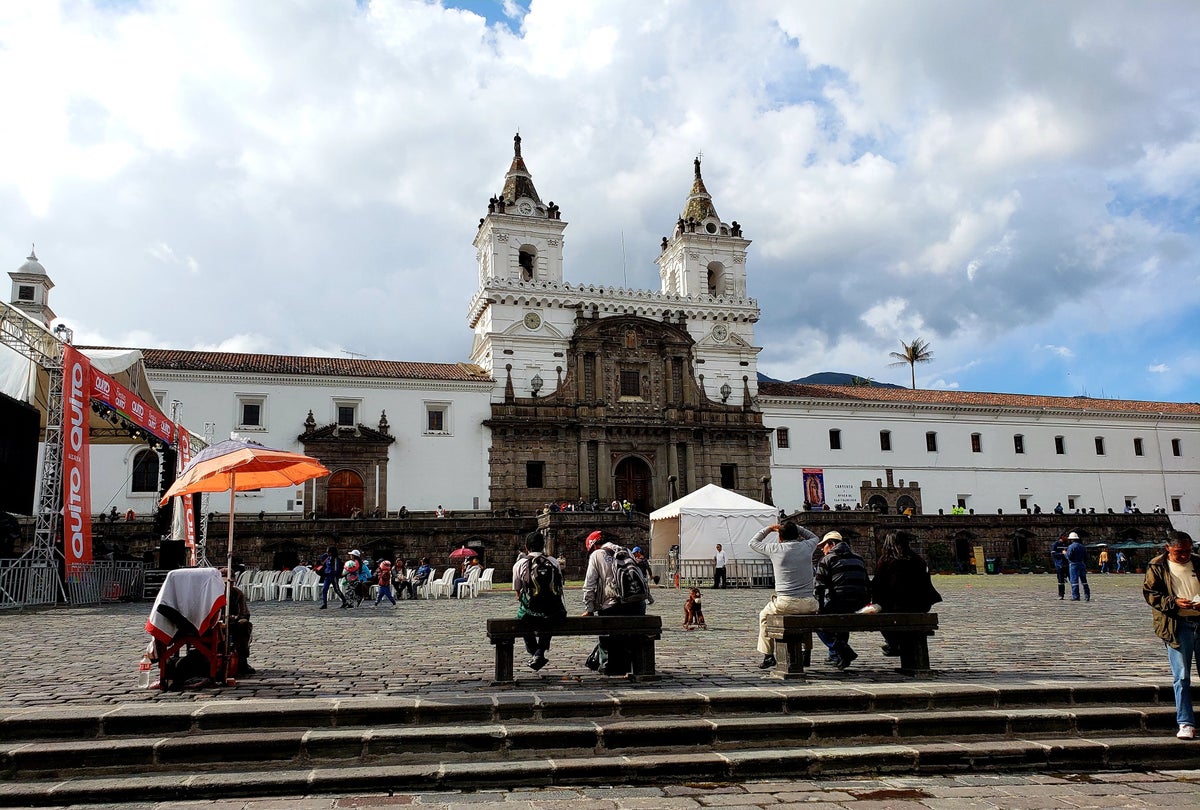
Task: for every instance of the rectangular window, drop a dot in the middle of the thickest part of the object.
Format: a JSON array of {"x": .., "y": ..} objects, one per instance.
[
  {"x": 1060, "y": 445},
  {"x": 835, "y": 439},
  {"x": 1138, "y": 450},
  {"x": 1071, "y": 501},
  {"x": 781, "y": 437},
  {"x": 535, "y": 474},
  {"x": 1018, "y": 444},
  {"x": 1176, "y": 447},
  {"x": 24, "y": 293},
  {"x": 631, "y": 383},
  {"x": 437, "y": 418},
  {"x": 885, "y": 440},
  {"x": 251, "y": 413},
  {"x": 1024, "y": 501},
  {"x": 1176, "y": 505},
  {"x": 1099, "y": 445},
  {"x": 931, "y": 442},
  {"x": 976, "y": 443},
  {"x": 729, "y": 476},
  {"x": 345, "y": 416}
]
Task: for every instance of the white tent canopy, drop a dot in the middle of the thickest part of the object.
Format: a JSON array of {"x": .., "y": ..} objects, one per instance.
[{"x": 710, "y": 515}]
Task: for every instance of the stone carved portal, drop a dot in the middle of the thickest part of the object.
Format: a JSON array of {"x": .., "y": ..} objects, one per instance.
[
  {"x": 632, "y": 482},
  {"x": 345, "y": 493}
]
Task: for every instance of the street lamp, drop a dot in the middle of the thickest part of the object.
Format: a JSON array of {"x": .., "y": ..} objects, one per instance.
[
  {"x": 725, "y": 391},
  {"x": 535, "y": 385}
]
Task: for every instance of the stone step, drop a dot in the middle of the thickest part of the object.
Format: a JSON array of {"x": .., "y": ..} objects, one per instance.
[
  {"x": 1017, "y": 754},
  {"x": 424, "y": 744},
  {"x": 178, "y": 714}
]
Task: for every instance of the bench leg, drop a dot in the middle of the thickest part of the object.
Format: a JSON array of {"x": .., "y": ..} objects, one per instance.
[
  {"x": 914, "y": 654},
  {"x": 796, "y": 654},
  {"x": 504, "y": 660},
  {"x": 642, "y": 652}
]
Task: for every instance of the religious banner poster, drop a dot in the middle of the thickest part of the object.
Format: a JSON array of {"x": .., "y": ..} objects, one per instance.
[
  {"x": 183, "y": 444},
  {"x": 814, "y": 487},
  {"x": 77, "y": 498}
]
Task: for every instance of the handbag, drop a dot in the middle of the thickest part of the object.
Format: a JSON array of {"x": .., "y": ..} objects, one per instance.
[{"x": 597, "y": 659}]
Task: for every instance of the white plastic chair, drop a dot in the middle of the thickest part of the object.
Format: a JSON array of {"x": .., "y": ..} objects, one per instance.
[
  {"x": 283, "y": 585},
  {"x": 485, "y": 581},
  {"x": 442, "y": 586},
  {"x": 310, "y": 587},
  {"x": 295, "y": 580},
  {"x": 258, "y": 585},
  {"x": 425, "y": 589},
  {"x": 471, "y": 586}
]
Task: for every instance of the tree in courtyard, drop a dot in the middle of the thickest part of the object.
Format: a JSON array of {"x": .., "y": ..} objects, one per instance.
[{"x": 919, "y": 351}]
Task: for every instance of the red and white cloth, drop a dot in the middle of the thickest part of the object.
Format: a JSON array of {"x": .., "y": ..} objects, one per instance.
[{"x": 188, "y": 603}]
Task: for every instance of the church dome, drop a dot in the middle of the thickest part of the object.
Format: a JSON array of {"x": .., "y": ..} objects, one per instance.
[{"x": 32, "y": 266}]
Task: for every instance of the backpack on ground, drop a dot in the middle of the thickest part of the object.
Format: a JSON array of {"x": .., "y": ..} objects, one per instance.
[
  {"x": 628, "y": 583},
  {"x": 543, "y": 590}
]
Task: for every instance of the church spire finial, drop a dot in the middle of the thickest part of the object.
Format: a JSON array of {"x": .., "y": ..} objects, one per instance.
[
  {"x": 517, "y": 145},
  {"x": 32, "y": 253},
  {"x": 696, "y": 163}
]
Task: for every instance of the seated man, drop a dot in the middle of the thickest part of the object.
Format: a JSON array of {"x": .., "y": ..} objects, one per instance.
[
  {"x": 537, "y": 581},
  {"x": 842, "y": 586},
  {"x": 240, "y": 628}
]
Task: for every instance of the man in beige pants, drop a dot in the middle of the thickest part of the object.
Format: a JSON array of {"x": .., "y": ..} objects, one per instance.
[{"x": 792, "y": 558}]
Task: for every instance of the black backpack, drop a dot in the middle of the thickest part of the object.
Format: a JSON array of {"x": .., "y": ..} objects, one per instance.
[
  {"x": 628, "y": 582},
  {"x": 544, "y": 588}
]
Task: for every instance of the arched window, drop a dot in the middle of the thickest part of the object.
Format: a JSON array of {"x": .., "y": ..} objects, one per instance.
[
  {"x": 526, "y": 258},
  {"x": 145, "y": 472},
  {"x": 716, "y": 278}
]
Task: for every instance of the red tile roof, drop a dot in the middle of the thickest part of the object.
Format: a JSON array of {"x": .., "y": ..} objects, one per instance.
[
  {"x": 971, "y": 398},
  {"x": 173, "y": 359}
]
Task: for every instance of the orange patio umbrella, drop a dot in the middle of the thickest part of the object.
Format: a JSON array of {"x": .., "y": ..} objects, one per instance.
[{"x": 238, "y": 465}]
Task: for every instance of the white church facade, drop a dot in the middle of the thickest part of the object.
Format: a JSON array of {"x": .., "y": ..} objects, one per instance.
[{"x": 574, "y": 391}]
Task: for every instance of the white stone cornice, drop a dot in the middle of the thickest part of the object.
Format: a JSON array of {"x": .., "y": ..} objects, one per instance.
[
  {"x": 957, "y": 409},
  {"x": 314, "y": 381}
]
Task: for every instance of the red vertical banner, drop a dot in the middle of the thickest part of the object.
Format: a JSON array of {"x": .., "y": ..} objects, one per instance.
[{"x": 77, "y": 487}]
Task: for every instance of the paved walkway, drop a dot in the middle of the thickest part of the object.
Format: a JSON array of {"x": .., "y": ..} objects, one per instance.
[
  {"x": 998, "y": 627},
  {"x": 993, "y": 629},
  {"x": 1155, "y": 789}
]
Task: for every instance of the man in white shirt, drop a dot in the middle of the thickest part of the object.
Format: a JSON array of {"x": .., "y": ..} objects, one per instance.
[
  {"x": 1172, "y": 589},
  {"x": 719, "y": 568}
]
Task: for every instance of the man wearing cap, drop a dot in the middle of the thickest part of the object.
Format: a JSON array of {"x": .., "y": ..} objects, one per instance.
[
  {"x": 1076, "y": 556},
  {"x": 792, "y": 561},
  {"x": 842, "y": 586},
  {"x": 614, "y": 658}
]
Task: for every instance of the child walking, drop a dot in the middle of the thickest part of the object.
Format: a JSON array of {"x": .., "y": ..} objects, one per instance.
[{"x": 385, "y": 583}]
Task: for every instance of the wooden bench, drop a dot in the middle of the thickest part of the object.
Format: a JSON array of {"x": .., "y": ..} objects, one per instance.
[
  {"x": 793, "y": 637},
  {"x": 638, "y": 632}
]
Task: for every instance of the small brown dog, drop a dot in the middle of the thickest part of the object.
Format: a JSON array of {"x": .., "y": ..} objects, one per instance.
[{"x": 693, "y": 613}]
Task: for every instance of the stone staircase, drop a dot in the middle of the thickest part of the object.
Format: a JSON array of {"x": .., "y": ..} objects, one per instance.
[{"x": 174, "y": 748}]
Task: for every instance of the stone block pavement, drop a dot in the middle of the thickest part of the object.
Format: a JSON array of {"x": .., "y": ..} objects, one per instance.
[{"x": 993, "y": 629}]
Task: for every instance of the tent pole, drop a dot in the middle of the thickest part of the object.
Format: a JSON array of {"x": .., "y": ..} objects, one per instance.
[{"x": 229, "y": 571}]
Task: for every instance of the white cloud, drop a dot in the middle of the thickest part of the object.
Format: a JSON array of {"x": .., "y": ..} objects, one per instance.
[
  {"x": 990, "y": 180},
  {"x": 1159, "y": 368}
]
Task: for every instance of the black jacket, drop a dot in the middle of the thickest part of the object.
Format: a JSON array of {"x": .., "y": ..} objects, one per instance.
[
  {"x": 902, "y": 585},
  {"x": 841, "y": 581}
]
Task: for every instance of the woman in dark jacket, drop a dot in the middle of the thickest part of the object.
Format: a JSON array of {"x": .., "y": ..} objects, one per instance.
[{"x": 901, "y": 584}]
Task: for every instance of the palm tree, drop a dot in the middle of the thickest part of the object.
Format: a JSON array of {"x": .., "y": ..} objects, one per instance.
[{"x": 918, "y": 351}]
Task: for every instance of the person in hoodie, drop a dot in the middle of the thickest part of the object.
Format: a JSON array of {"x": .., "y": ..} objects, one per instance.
[{"x": 611, "y": 656}]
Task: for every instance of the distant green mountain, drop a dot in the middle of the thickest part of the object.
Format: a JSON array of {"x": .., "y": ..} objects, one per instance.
[{"x": 830, "y": 378}]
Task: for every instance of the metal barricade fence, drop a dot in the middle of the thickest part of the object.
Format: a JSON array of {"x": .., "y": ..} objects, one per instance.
[
  {"x": 738, "y": 573},
  {"x": 26, "y": 583},
  {"x": 104, "y": 581}
]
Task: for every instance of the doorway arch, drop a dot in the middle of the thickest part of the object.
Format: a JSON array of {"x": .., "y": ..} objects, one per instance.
[
  {"x": 631, "y": 482},
  {"x": 345, "y": 493}
]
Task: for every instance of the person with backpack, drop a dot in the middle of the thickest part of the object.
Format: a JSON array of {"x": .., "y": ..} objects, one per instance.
[
  {"x": 614, "y": 585},
  {"x": 329, "y": 568},
  {"x": 538, "y": 583}
]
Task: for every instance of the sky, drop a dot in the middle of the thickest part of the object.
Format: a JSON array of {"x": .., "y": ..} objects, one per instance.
[{"x": 1014, "y": 182}]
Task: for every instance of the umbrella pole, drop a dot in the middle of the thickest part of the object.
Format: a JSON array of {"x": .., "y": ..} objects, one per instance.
[{"x": 229, "y": 572}]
